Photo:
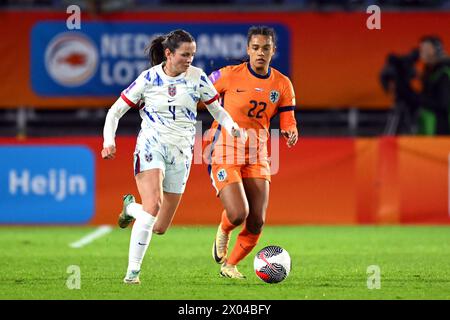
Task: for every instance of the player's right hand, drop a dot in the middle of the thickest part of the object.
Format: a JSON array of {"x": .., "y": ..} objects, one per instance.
[{"x": 109, "y": 152}]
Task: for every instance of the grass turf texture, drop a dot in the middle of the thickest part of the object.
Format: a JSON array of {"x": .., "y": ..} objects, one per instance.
[{"x": 327, "y": 263}]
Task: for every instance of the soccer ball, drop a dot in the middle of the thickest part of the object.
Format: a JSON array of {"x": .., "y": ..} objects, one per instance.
[{"x": 272, "y": 264}]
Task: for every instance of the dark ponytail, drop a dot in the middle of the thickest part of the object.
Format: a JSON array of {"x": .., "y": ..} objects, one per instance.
[
  {"x": 155, "y": 51},
  {"x": 171, "y": 41}
]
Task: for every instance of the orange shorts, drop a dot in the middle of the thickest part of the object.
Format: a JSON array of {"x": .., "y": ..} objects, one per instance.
[{"x": 225, "y": 174}]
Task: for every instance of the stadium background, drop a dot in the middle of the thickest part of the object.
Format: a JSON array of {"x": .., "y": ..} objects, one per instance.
[
  {"x": 349, "y": 196},
  {"x": 343, "y": 171}
]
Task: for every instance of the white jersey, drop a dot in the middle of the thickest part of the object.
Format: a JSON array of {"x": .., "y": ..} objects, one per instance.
[{"x": 168, "y": 105}]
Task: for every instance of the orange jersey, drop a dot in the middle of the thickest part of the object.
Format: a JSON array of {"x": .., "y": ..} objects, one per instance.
[{"x": 252, "y": 100}]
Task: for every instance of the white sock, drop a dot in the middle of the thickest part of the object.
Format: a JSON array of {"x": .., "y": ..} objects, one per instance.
[
  {"x": 141, "y": 234},
  {"x": 135, "y": 209}
]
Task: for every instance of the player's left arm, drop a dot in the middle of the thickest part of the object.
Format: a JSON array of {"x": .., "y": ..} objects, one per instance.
[
  {"x": 288, "y": 124},
  {"x": 210, "y": 96},
  {"x": 225, "y": 120}
]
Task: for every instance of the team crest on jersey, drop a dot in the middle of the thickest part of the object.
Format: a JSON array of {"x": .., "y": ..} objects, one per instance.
[
  {"x": 148, "y": 157},
  {"x": 172, "y": 90},
  {"x": 221, "y": 175},
  {"x": 274, "y": 95}
]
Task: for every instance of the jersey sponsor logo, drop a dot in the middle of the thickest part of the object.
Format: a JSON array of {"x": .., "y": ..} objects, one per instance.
[
  {"x": 172, "y": 90},
  {"x": 259, "y": 89},
  {"x": 221, "y": 175},
  {"x": 71, "y": 59},
  {"x": 274, "y": 96}
]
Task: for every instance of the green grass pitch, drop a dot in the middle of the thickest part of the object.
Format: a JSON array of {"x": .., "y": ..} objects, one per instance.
[{"x": 327, "y": 263}]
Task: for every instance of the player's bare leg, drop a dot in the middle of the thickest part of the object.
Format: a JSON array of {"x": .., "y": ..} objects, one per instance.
[
  {"x": 235, "y": 202},
  {"x": 167, "y": 212},
  {"x": 149, "y": 184},
  {"x": 236, "y": 210},
  {"x": 257, "y": 191}
]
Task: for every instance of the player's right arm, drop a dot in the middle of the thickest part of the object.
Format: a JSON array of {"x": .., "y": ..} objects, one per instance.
[
  {"x": 117, "y": 110},
  {"x": 129, "y": 98}
]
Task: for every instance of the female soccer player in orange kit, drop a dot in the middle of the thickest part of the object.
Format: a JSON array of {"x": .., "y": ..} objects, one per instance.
[{"x": 252, "y": 93}]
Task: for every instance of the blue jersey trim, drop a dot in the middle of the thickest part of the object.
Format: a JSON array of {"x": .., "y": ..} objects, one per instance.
[{"x": 258, "y": 75}]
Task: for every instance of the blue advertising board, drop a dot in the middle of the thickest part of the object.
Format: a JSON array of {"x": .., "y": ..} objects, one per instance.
[
  {"x": 46, "y": 184},
  {"x": 103, "y": 58}
]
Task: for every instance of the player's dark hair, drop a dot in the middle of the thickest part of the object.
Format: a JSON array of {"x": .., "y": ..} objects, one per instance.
[
  {"x": 171, "y": 41},
  {"x": 436, "y": 42},
  {"x": 261, "y": 30}
]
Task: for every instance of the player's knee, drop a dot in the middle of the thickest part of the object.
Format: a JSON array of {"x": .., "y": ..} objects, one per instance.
[
  {"x": 159, "y": 230},
  {"x": 237, "y": 217},
  {"x": 153, "y": 205}
]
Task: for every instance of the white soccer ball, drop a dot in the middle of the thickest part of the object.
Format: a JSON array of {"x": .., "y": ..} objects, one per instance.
[{"x": 272, "y": 264}]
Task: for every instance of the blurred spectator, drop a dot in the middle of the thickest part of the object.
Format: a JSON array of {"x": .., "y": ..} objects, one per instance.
[
  {"x": 396, "y": 78},
  {"x": 435, "y": 95}
]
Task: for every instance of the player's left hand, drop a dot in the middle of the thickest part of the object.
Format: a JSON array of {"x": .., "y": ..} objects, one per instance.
[
  {"x": 239, "y": 133},
  {"x": 291, "y": 136}
]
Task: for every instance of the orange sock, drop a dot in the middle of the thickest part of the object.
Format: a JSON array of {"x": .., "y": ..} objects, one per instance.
[
  {"x": 245, "y": 243},
  {"x": 227, "y": 226}
]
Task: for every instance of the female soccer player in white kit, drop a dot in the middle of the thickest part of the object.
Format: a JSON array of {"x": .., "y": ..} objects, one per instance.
[{"x": 166, "y": 95}]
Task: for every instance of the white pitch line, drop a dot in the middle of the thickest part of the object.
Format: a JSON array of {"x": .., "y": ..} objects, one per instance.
[{"x": 100, "y": 232}]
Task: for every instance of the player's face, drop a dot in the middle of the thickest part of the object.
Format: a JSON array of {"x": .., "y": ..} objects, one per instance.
[
  {"x": 179, "y": 61},
  {"x": 260, "y": 50}
]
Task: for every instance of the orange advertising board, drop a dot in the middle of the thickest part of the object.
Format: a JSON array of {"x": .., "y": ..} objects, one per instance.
[
  {"x": 320, "y": 181},
  {"x": 334, "y": 59}
]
